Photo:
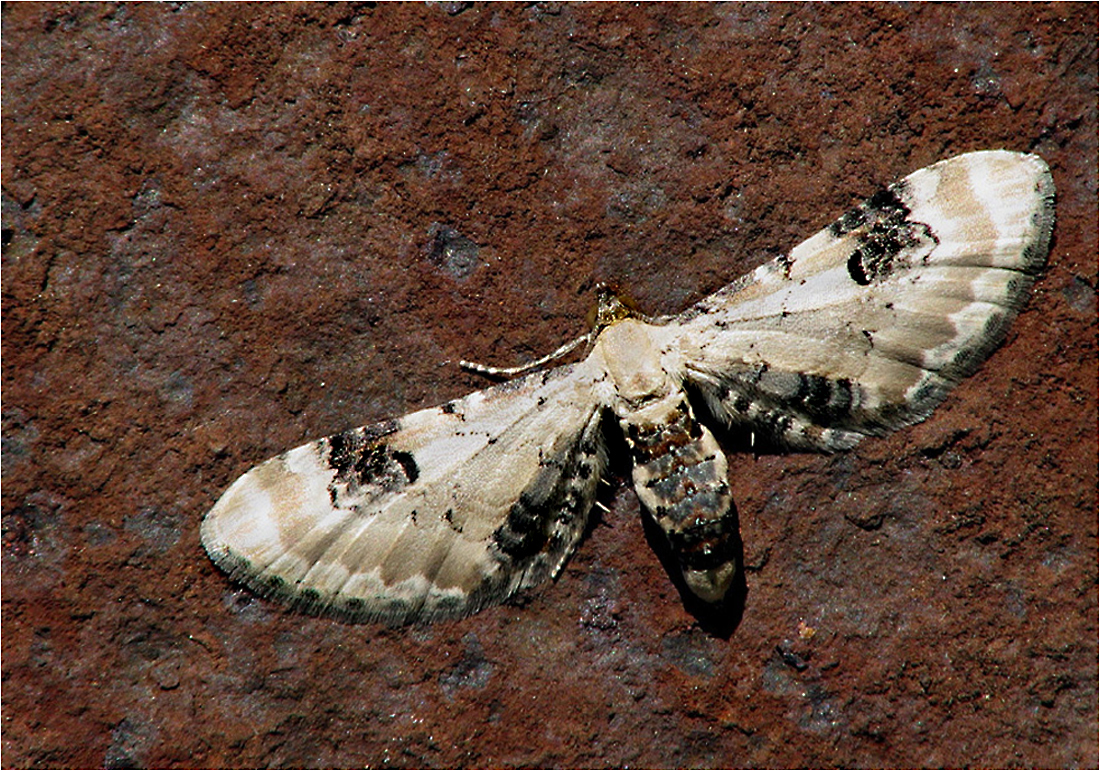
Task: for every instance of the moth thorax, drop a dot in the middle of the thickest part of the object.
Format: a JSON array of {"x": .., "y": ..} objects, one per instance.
[{"x": 632, "y": 358}]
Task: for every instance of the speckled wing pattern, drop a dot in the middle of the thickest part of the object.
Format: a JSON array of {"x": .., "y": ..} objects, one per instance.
[
  {"x": 433, "y": 515},
  {"x": 866, "y": 326},
  {"x": 860, "y": 330}
]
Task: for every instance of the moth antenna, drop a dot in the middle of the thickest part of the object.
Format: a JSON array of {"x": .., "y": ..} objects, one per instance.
[
  {"x": 611, "y": 307},
  {"x": 484, "y": 369}
]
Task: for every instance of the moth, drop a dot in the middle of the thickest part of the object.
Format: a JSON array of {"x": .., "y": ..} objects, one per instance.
[{"x": 858, "y": 331}]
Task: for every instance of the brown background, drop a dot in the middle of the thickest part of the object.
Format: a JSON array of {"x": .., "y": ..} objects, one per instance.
[{"x": 231, "y": 229}]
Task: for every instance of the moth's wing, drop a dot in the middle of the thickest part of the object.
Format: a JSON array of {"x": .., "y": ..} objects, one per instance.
[
  {"x": 866, "y": 326},
  {"x": 436, "y": 514}
]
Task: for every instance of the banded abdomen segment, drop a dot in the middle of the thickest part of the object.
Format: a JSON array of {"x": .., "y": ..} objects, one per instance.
[{"x": 680, "y": 476}]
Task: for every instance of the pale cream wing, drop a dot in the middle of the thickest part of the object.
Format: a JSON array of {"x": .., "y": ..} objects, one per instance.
[
  {"x": 867, "y": 325},
  {"x": 436, "y": 514}
]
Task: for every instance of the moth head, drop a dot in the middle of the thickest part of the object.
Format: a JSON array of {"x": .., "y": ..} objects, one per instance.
[
  {"x": 612, "y": 306},
  {"x": 712, "y": 584}
]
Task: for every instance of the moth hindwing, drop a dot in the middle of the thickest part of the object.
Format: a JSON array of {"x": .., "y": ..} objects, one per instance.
[{"x": 858, "y": 331}]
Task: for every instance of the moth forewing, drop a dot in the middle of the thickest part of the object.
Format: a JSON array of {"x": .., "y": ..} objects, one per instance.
[
  {"x": 866, "y": 326},
  {"x": 433, "y": 515}
]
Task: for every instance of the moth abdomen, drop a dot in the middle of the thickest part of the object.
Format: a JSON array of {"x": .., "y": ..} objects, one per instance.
[{"x": 680, "y": 477}]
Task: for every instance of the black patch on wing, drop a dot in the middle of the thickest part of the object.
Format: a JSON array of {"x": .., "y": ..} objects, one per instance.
[
  {"x": 408, "y": 465},
  {"x": 345, "y": 449},
  {"x": 524, "y": 533},
  {"x": 884, "y": 206},
  {"x": 879, "y": 247},
  {"x": 550, "y": 509},
  {"x": 365, "y": 465},
  {"x": 827, "y": 401},
  {"x": 882, "y": 231},
  {"x": 856, "y": 271}
]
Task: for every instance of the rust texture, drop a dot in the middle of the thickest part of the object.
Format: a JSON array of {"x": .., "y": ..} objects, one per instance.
[{"x": 230, "y": 229}]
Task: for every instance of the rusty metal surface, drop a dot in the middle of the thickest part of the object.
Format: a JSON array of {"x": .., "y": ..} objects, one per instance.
[{"x": 229, "y": 229}]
